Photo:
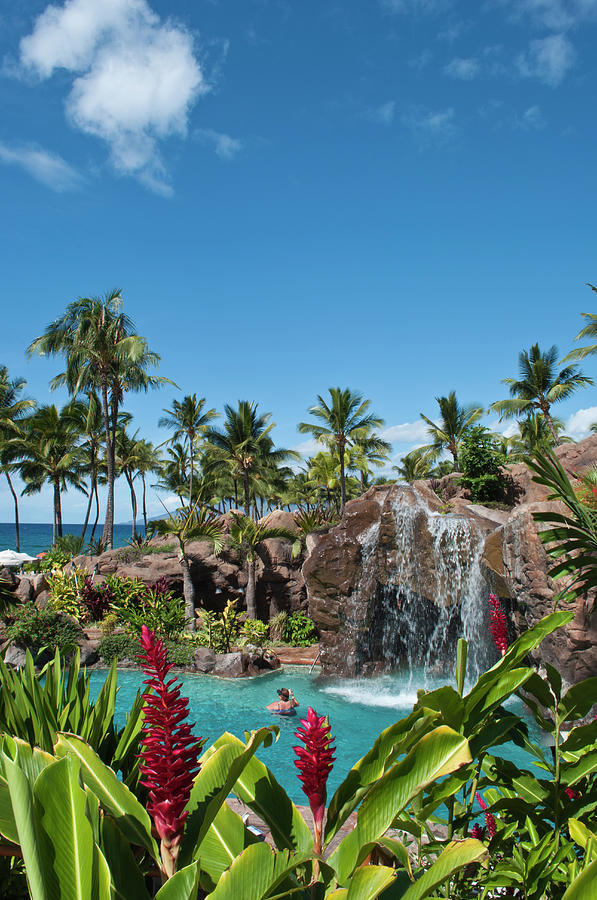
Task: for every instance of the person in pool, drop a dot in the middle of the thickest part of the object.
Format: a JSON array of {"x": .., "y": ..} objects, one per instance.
[{"x": 285, "y": 703}]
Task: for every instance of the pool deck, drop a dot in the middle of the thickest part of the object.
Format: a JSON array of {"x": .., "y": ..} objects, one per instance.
[{"x": 297, "y": 656}]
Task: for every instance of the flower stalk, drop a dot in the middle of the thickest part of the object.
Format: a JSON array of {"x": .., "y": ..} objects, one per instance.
[
  {"x": 314, "y": 762},
  {"x": 498, "y": 625},
  {"x": 169, "y": 750}
]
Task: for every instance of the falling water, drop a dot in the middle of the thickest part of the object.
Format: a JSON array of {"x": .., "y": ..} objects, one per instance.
[{"x": 430, "y": 599}]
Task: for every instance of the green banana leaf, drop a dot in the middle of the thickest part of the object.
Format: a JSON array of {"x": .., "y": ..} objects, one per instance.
[
  {"x": 584, "y": 887},
  {"x": 213, "y": 783},
  {"x": 226, "y": 839},
  {"x": 396, "y": 739},
  {"x": 256, "y": 873},
  {"x": 182, "y": 886},
  {"x": 127, "y": 881},
  {"x": 456, "y": 856},
  {"x": 368, "y": 882},
  {"x": 438, "y": 753},
  {"x": 258, "y": 789},
  {"x": 28, "y": 829},
  {"x": 130, "y": 816}
]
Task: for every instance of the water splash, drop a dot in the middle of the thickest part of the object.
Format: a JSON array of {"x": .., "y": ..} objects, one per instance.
[{"x": 431, "y": 598}]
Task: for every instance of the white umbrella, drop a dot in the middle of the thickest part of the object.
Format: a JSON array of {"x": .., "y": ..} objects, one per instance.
[{"x": 12, "y": 558}]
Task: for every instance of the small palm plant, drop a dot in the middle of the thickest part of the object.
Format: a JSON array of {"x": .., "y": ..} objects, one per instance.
[
  {"x": 248, "y": 536},
  {"x": 186, "y": 525}
]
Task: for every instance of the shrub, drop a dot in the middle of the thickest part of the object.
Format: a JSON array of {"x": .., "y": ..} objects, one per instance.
[
  {"x": 254, "y": 631},
  {"x": 65, "y": 592},
  {"x": 118, "y": 646},
  {"x": 39, "y": 630},
  {"x": 276, "y": 626},
  {"x": 299, "y": 630},
  {"x": 480, "y": 460},
  {"x": 96, "y": 599},
  {"x": 157, "y": 608}
]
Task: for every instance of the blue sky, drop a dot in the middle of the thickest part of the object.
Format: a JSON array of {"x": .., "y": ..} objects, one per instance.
[{"x": 392, "y": 195}]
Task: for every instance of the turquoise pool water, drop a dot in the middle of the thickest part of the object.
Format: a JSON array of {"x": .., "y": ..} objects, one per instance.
[{"x": 358, "y": 710}]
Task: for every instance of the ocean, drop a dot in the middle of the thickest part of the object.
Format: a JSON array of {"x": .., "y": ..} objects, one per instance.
[{"x": 36, "y": 537}]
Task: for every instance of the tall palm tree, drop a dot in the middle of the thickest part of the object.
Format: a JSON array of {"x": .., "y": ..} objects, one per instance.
[
  {"x": 102, "y": 351},
  {"x": 539, "y": 386},
  {"x": 454, "y": 420},
  {"x": 368, "y": 451},
  {"x": 148, "y": 460},
  {"x": 415, "y": 465},
  {"x": 188, "y": 421},
  {"x": 87, "y": 419},
  {"x": 324, "y": 475},
  {"x": 589, "y": 331},
  {"x": 127, "y": 458},
  {"x": 534, "y": 436},
  {"x": 245, "y": 443},
  {"x": 340, "y": 421},
  {"x": 49, "y": 453},
  {"x": 186, "y": 525},
  {"x": 173, "y": 472},
  {"x": 13, "y": 408},
  {"x": 248, "y": 536}
]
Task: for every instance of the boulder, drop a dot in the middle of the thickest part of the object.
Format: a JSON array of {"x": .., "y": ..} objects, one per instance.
[
  {"x": 230, "y": 665},
  {"x": 89, "y": 654},
  {"x": 42, "y": 599},
  {"x": 40, "y": 583},
  {"x": 15, "y": 656},
  {"x": 24, "y": 589},
  {"x": 205, "y": 659},
  {"x": 259, "y": 660}
]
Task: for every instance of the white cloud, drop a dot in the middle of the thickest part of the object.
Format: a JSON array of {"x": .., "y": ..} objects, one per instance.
[
  {"x": 430, "y": 126},
  {"x": 407, "y": 433},
  {"x": 531, "y": 119},
  {"x": 415, "y": 6},
  {"x": 309, "y": 447},
  {"x": 577, "y": 426},
  {"x": 225, "y": 146},
  {"x": 554, "y": 14},
  {"x": 464, "y": 69},
  {"x": 548, "y": 59},
  {"x": 48, "y": 168},
  {"x": 136, "y": 77},
  {"x": 384, "y": 114}
]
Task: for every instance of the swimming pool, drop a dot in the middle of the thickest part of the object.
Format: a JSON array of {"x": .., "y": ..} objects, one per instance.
[{"x": 358, "y": 710}]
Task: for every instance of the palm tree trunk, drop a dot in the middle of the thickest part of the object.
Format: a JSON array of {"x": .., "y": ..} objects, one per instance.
[
  {"x": 247, "y": 493},
  {"x": 551, "y": 427},
  {"x": 144, "y": 506},
  {"x": 16, "y": 503},
  {"x": 96, "y": 509},
  {"x": 133, "y": 503},
  {"x": 108, "y": 533},
  {"x": 342, "y": 479},
  {"x": 190, "y": 595},
  {"x": 250, "y": 596},
  {"x": 88, "y": 513},
  {"x": 57, "y": 509},
  {"x": 191, "y": 474}
]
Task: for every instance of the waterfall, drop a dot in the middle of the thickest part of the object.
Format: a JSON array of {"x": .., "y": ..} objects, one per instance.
[{"x": 433, "y": 592}]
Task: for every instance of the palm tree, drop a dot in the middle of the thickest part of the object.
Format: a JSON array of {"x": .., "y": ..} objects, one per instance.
[
  {"x": 186, "y": 525},
  {"x": 147, "y": 460},
  {"x": 342, "y": 420},
  {"x": 539, "y": 386},
  {"x": 13, "y": 408},
  {"x": 49, "y": 453},
  {"x": 454, "y": 420},
  {"x": 127, "y": 457},
  {"x": 589, "y": 331},
  {"x": 173, "y": 472},
  {"x": 248, "y": 536},
  {"x": 103, "y": 352},
  {"x": 324, "y": 475},
  {"x": 415, "y": 465},
  {"x": 367, "y": 452},
  {"x": 534, "y": 435},
  {"x": 87, "y": 419},
  {"x": 245, "y": 444},
  {"x": 189, "y": 422}
]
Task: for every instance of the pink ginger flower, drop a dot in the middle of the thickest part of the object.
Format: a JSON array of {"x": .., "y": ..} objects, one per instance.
[
  {"x": 498, "y": 625},
  {"x": 314, "y": 762},
  {"x": 489, "y": 819},
  {"x": 169, "y": 750}
]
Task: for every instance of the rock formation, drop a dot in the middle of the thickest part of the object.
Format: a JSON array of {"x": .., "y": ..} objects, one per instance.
[{"x": 385, "y": 591}]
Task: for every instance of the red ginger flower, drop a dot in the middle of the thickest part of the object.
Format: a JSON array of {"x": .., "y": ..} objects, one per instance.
[
  {"x": 572, "y": 793},
  {"x": 478, "y": 832},
  {"x": 169, "y": 750},
  {"x": 489, "y": 819},
  {"x": 498, "y": 625},
  {"x": 314, "y": 762}
]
